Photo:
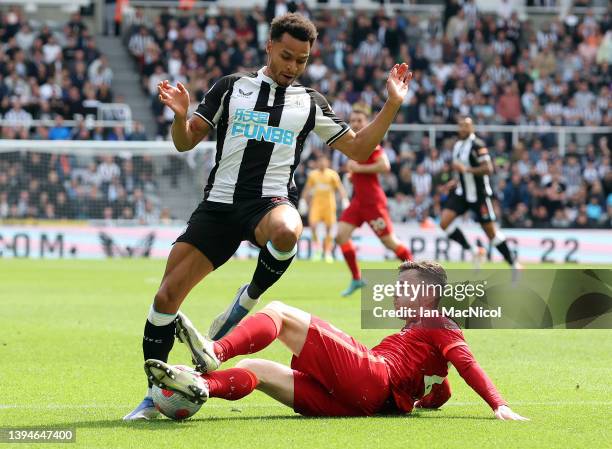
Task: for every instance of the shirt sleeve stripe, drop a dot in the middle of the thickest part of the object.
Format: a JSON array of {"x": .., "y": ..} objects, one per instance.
[
  {"x": 204, "y": 118},
  {"x": 339, "y": 134},
  {"x": 451, "y": 346}
]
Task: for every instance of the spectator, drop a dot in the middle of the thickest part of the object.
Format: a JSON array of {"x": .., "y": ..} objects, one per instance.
[
  {"x": 421, "y": 181},
  {"x": 59, "y": 130}
]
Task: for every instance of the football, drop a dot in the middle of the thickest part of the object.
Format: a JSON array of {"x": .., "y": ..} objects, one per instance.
[{"x": 172, "y": 404}]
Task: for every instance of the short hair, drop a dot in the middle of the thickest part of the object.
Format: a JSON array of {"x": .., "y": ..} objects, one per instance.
[
  {"x": 361, "y": 110},
  {"x": 429, "y": 272},
  {"x": 296, "y": 25}
]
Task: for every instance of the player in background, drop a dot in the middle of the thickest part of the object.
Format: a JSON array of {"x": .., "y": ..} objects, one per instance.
[
  {"x": 320, "y": 195},
  {"x": 331, "y": 373},
  {"x": 262, "y": 119},
  {"x": 368, "y": 204},
  {"x": 473, "y": 167}
]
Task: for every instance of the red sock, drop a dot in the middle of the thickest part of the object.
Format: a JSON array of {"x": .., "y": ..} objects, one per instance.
[
  {"x": 251, "y": 335},
  {"x": 348, "y": 251},
  {"x": 403, "y": 253},
  {"x": 231, "y": 384}
]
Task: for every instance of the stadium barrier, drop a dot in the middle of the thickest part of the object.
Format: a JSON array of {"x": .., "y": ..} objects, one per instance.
[
  {"x": 562, "y": 135},
  {"x": 99, "y": 241},
  {"x": 173, "y": 182}
]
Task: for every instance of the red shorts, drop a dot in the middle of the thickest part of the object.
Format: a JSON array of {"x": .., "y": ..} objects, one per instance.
[
  {"x": 335, "y": 375},
  {"x": 376, "y": 215}
]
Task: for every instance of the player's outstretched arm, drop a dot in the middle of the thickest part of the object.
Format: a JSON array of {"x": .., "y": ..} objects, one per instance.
[
  {"x": 186, "y": 134},
  {"x": 469, "y": 369},
  {"x": 359, "y": 146},
  {"x": 381, "y": 165}
]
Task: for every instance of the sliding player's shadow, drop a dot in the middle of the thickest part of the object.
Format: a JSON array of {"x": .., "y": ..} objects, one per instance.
[{"x": 168, "y": 424}]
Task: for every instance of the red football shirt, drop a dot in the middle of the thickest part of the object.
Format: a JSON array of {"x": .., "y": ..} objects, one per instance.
[
  {"x": 418, "y": 356},
  {"x": 366, "y": 188}
]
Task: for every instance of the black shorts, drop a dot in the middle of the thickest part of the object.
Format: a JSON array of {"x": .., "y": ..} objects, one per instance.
[
  {"x": 217, "y": 229},
  {"x": 482, "y": 209}
]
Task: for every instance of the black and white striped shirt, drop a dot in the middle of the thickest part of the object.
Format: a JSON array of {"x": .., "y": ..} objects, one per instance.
[
  {"x": 261, "y": 129},
  {"x": 471, "y": 152}
]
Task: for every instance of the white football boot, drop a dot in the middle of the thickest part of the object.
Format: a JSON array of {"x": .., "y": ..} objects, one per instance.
[
  {"x": 201, "y": 348},
  {"x": 168, "y": 377}
]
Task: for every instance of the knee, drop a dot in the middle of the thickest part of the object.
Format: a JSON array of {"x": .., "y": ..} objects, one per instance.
[
  {"x": 256, "y": 366},
  {"x": 247, "y": 364},
  {"x": 276, "y": 306},
  {"x": 165, "y": 302},
  {"x": 285, "y": 236}
]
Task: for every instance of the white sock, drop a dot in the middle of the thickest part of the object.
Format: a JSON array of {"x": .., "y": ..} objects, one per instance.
[
  {"x": 246, "y": 301},
  {"x": 149, "y": 392},
  {"x": 498, "y": 238},
  {"x": 160, "y": 319}
]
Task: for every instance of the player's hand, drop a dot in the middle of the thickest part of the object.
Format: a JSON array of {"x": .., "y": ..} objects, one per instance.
[
  {"x": 458, "y": 166},
  {"x": 176, "y": 98},
  {"x": 397, "y": 82},
  {"x": 345, "y": 203},
  {"x": 505, "y": 413}
]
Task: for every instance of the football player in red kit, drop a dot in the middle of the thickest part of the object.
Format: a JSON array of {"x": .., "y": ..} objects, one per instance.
[
  {"x": 331, "y": 373},
  {"x": 369, "y": 204}
]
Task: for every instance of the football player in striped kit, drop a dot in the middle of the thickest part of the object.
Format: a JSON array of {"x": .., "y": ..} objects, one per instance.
[
  {"x": 473, "y": 167},
  {"x": 262, "y": 120}
]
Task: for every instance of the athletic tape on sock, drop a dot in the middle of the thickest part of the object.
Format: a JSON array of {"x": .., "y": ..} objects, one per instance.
[
  {"x": 160, "y": 319},
  {"x": 281, "y": 255},
  {"x": 451, "y": 227},
  {"x": 499, "y": 238}
]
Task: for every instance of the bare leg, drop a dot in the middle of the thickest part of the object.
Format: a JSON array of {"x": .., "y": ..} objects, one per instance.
[
  {"x": 275, "y": 380},
  {"x": 489, "y": 229},
  {"x": 277, "y": 234},
  {"x": 327, "y": 241},
  {"x": 345, "y": 230},
  {"x": 390, "y": 241},
  {"x": 448, "y": 216},
  {"x": 498, "y": 239},
  {"x": 294, "y": 328},
  {"x": 186, "y": 266}
]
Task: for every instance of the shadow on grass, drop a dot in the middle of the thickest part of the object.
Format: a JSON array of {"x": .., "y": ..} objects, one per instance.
[{"x": 167, "y": 424}]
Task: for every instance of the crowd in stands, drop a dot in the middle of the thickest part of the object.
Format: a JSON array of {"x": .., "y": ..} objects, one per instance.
[
  {"x": 59, "y": 186},
  {"x": 58, "y": 75},
  {"x": 54, "y": 75},
  {"x": 499, "y": 69}
]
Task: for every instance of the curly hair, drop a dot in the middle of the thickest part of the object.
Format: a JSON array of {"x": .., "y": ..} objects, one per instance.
[{"x": 296, "y": 25}]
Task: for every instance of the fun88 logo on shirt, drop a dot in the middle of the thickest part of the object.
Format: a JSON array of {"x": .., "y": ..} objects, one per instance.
[{"x": 254, "y": 125}]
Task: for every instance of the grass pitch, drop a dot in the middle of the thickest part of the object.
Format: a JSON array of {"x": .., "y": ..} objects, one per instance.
[{"x": 70, "y": 354}]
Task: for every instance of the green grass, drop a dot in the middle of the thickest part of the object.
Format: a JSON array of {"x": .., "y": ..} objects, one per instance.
[{"x": 70, "y": 355}]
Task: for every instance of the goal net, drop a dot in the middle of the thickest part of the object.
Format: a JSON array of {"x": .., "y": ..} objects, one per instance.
[{"x": 144, "y": 183}]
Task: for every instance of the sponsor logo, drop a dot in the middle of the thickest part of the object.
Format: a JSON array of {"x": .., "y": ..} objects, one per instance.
[
  {"x": 254, "y": 125},
  {"x": 243, "y": 93},
  {"x": 142, "y": 248}
]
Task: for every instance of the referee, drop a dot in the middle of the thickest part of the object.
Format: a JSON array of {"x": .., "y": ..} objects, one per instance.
[
  {"x": 472, "y": 192},
  {"x": 262, "y": 120}
]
